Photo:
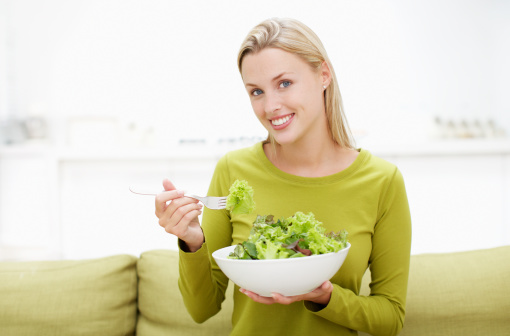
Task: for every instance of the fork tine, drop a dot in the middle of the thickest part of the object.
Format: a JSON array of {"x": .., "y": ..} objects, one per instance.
[
  {"x": 221, "y": 203},
  {"x": 211, "y": 202}
]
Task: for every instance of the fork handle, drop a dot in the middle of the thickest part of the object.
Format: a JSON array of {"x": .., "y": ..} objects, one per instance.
[
  {"x": 152, "y": 192},
  {"x": 148, "y": 191},
  {"x": 194, "y": 196}
]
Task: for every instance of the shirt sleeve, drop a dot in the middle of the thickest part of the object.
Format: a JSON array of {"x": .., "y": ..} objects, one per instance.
[
  {"x": 381, "y": 313},
  {"x": 201, "y": 282}
]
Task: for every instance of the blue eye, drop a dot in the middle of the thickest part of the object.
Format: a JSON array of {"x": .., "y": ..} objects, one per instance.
[
  {"x": 285, "y": 84},
  {"x": 256, "y": 92}
]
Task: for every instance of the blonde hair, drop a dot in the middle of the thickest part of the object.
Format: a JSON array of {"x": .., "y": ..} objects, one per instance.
[{"x": 293, "y": 36}]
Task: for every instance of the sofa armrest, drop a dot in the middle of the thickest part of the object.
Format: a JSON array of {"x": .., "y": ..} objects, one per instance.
[{"x": 69, "y": 297}]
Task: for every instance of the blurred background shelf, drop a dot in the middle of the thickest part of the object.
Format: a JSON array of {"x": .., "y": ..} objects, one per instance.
[
  {"x": 457, "y": 147},
  {"x": 75, "y": 203}
]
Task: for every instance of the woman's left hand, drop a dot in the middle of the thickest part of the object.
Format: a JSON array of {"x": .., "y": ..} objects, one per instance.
[{"x": 320, "y": 295}]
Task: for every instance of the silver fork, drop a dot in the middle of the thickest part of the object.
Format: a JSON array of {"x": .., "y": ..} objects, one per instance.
[{"x": 211, "y": 202}]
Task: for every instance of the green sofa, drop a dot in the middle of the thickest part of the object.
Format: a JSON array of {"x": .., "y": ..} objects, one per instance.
[{"x": 463, "y": 293}]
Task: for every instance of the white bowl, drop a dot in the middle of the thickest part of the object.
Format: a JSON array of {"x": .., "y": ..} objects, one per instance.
[{"x": 292, "y": 276}]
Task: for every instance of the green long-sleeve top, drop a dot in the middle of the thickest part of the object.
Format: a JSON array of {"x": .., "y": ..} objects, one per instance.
[{"x": 368, "y": 199}]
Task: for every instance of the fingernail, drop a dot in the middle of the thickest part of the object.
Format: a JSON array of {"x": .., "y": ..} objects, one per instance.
[{"x": 180, "y": 193}]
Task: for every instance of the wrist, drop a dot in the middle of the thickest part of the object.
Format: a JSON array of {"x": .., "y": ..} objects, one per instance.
[
  {"x": 323, "y": 300},
  {"x": 192, "y": 245},
  {"x": 325, "y": 291}
]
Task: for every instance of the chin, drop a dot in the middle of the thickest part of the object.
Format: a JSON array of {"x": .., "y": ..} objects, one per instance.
[{"x": 284, "y": 140}]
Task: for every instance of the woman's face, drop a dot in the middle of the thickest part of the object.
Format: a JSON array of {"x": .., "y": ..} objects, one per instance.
[{"x": 286, "y": 94}]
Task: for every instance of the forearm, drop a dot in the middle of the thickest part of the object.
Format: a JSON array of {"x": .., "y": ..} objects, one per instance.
[
  {"x": 383, "y": 312},
  {"x": 375, "y": 315},
  {"x": 202, "y": 292}
]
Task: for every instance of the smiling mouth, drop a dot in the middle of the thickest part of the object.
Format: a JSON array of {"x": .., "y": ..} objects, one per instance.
[{"x": 281, "y": 121}]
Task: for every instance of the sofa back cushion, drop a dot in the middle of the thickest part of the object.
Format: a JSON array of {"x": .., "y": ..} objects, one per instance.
[
  {"x": 69, "y": 297},
  {"x": 461, "y": 293},
  {"x": 161, "y": 309}
]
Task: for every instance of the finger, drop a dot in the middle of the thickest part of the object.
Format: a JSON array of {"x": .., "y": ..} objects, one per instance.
[
  {"x": 321, "y": 295},
  {"x": 168, "y": 185},
  {"x": 181, "y": 218},
  {"x": 162, "y": 199},
  {"x": 181, "y": 228},
  {"x": 281, "y": 299},
  {"x": 325, "y": 288},
  {"x": 257, "y": 298},
  {"x": 177, "y": 210},
  {"x": 167, "y": 212},
  {"x": 176, "y": 204}
]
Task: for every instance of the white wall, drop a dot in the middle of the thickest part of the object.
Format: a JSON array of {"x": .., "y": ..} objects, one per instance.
[
  {"x": 135, "y": 77},
  {"x": 4, "y": 100},
  {"x": 171, "y": 65}
]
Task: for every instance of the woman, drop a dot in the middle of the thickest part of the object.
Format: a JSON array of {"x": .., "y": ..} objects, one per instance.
[{"x": 308, "y": 164}]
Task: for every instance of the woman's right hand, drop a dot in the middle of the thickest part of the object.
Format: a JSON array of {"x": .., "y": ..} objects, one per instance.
[{"x": 178, "y": 215}]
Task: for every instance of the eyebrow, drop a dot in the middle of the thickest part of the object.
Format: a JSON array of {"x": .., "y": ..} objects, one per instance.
[{"x": 272, "y": 80}]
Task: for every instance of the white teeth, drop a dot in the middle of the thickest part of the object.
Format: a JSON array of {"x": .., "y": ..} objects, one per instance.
[{"x": 278, "y": 122}]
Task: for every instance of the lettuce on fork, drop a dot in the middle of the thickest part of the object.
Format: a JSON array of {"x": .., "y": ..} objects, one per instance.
[
  {"x": 240, "y": 198},
  {"x": 297, "y": 236}
]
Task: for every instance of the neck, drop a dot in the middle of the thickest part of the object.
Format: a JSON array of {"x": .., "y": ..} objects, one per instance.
[{"x": 316, "y": 158}]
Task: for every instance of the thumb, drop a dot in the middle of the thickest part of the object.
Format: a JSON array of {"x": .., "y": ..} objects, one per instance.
[
  {"x": 168, "y": 185},
  {"x": 327, "y": 286}
]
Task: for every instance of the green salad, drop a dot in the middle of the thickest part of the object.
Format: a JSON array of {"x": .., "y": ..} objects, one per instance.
[
  {"x": 297, "y": 236},
  {"x": 240, "y": 198}
]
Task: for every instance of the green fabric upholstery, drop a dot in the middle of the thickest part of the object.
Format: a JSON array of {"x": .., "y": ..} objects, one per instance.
[
  {"x": 86, "y": 297},
  {"x": 161, "y": 309},
  {"x": 463, "y": 293}
]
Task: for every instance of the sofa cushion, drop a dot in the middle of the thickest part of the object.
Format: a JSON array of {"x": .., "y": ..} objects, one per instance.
[
  {"x": 69, "y": 297},
  {"x": 161, "y": 308},
  {"x": 461, "y": 293}
]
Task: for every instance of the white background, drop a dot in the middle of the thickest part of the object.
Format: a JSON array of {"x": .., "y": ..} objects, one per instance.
[
  {"x": 127, "y": 78},
  {"x": 171, "y": 65}
]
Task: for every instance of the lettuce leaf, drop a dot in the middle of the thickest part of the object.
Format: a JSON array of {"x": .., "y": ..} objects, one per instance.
[
  {"x": 296, "y": 236},
  {"x": 240, "y": 198}
]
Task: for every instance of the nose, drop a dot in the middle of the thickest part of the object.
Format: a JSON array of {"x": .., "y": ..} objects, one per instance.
[{"x": 272, "y": 103}]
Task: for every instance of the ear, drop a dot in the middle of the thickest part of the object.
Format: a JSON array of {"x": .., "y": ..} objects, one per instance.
[{"x": 325, "y": 74}]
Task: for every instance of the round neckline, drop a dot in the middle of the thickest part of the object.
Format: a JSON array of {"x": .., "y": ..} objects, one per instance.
[{"x": 273, "y": 170}]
